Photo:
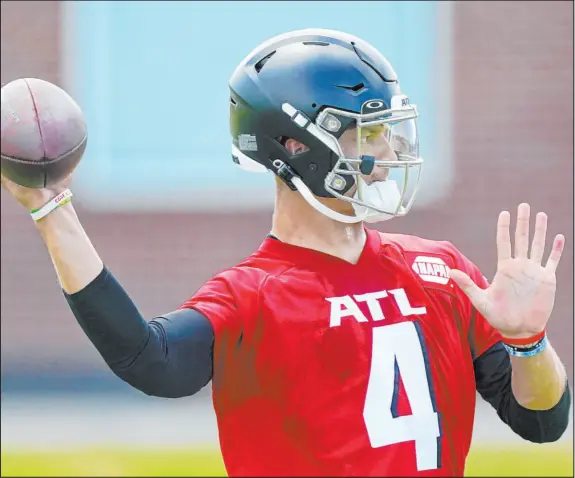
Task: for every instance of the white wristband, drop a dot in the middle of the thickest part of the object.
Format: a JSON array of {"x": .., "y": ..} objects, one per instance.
[{"x": 59, "y": 200}]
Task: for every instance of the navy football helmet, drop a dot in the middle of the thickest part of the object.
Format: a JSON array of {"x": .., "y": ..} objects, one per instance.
[{"x": 311, "y": 86}]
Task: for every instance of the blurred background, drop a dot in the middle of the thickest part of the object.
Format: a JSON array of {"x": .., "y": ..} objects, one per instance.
[{"x": 494, "y": 85}]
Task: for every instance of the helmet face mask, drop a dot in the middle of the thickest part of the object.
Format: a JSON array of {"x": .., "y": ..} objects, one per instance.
[
  {"x": 294, "y": 96},
  {"x": 397, "y": 126}
]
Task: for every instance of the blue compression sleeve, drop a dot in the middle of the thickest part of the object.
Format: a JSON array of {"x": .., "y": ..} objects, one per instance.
[
  {"x": 170, "y": 356},
  {"x": 493, "y": 379}
]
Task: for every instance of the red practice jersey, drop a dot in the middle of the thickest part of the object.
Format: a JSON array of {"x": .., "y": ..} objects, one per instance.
[{"x": 322, "y": 367}]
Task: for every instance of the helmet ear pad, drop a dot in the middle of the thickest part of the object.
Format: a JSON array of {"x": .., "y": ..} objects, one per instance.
[{"x": 313, "y": 173}]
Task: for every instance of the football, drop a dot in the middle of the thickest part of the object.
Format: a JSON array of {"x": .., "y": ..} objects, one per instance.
[{"x": 44, "y": 133}]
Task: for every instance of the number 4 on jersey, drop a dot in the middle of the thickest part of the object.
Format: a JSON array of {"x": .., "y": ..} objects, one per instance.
[{"x": 398, "y": 348}]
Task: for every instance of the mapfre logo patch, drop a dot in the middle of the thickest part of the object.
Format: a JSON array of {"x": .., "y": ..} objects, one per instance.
[{"x": 431, "y": 269}]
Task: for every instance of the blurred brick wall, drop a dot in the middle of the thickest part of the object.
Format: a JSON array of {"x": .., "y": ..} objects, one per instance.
[{"x": 513, "y": 142}]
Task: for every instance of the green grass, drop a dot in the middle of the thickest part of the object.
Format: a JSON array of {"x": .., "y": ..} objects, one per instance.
[
  {"x": 113, "y": 462},
  {"x": 527, "y": 460}
]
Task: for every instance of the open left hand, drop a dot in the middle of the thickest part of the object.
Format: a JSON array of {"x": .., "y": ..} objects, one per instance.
[{"x": 520, "y": 298}]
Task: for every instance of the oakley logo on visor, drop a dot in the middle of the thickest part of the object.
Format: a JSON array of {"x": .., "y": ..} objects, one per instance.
[{"x": 373, "y": 106}]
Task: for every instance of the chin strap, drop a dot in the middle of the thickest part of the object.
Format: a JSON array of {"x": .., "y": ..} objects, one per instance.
[{"x": 322, "y": 208}]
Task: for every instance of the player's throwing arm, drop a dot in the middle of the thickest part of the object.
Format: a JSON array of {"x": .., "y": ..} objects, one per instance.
[{"x": 43, "y": 139}]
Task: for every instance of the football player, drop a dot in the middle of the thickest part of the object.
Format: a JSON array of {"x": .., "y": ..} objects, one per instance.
[{"x": 335, "y": 349}]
